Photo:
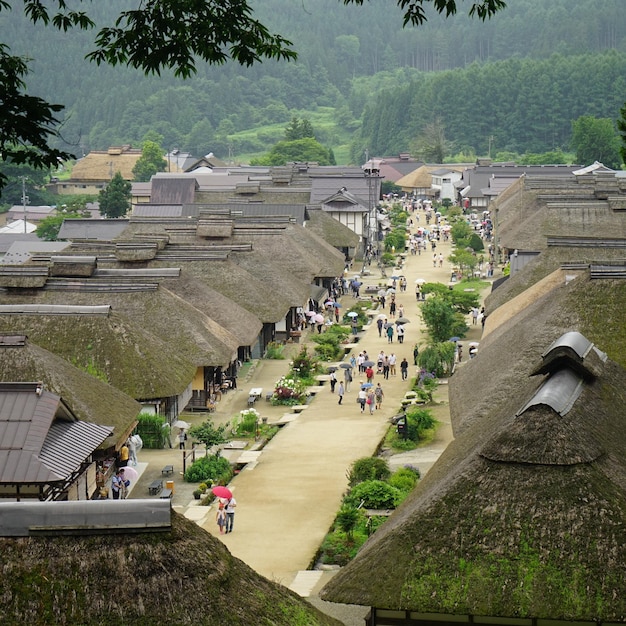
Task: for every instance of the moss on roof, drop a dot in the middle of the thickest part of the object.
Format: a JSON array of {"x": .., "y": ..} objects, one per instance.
[{"x": 185, "y": 576}]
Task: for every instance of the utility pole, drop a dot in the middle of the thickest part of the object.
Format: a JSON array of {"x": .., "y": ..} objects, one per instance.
[{"x": 25, "y": 199}]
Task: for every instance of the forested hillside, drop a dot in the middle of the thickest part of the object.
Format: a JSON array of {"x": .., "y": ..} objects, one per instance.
[
  {"x": 347, "y": 55},
  {"x": 516, "y": 105}
]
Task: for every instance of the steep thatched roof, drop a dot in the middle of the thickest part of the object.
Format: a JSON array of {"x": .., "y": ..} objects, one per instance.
[
  {"x": 184, "y": 576},
  {"x": 516, "y": 333},
  {"x": 524, "y": 514},
  {"x": 90, "y": 399},
  {"x": 199, "y": 290},
  {"x": 331, "y": 230},
  {"x": 122, "y": 348}
]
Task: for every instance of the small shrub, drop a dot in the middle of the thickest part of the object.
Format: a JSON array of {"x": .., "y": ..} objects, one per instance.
[
  {"x": 246, "y": 423},
  {"x": 404, "y": 479},
  {"x": 347, "y": 519},
  {"x": 209, "y": 469},
  {"x": 418, "y": 421},
  {"x": 374, "y": 494},
  {"x": 368, "y": 468},
  {"x": 337, "y": 548}
]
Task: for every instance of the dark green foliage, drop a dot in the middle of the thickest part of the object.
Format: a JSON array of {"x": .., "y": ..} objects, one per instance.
[
  {"x": 621, "y": 127},
  {"x": 373, "y": 494},
  {"x": 442, "y": 319},
  {"x": 437, "y": 358},
  {"x": 339, "y": 549},
  {"x": 115, "y": 197},
  {"x": 419, "y": 421},
  {"x": 150, "y": 162},
  {"x": 368, "y": 468},
  {"x": 347, "y": 519},
  {"x": 304, "y": 364},
  {"x": 395, "y": 241},
  {"x": 302, "y": 150},
  {"x": 211, "y": 469},
  {"x": 153, "y": 430},
  {"x": 329, "y": 347},
  {"x": 596, "y": 140},
  {"x": 476, "y": 243},
  {"x": 404, "y": 479}
]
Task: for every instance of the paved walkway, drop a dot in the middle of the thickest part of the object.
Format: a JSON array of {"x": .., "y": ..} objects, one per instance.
[{"x": 289, "y": 493}]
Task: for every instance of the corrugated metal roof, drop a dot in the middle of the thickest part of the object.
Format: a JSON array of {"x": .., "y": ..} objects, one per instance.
[
  {"x": 98, "y": 229},
  {"x": 54, "y": 309},
  {"x": 41, "y": 441}
]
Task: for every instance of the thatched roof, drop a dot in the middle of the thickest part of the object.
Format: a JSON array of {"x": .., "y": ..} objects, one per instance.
[
  {"x": 523, "y": 515},
  {"x": 122, "y": 348},
  {"x": 90, "y": 399},
  {"x": 198, "y": 289},
  {"x": 331, "y": 230},
  {"x": 293, "y": 250},
  {"x": 537, "y": 207},
  {"x": 102, "y": 165},
  {"x": 185, "y": 576}
]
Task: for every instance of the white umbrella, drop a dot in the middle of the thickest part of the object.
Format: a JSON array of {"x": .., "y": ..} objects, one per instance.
[
  {"x": 474, "y": 344},
  {"x": 181, "y": 424},
  {"x": 352, "y": 314},
  {"x": 419, "y": 281},
  {"x": 391, "y": 290}
]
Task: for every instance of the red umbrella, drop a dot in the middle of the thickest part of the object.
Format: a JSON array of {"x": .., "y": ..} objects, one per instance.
[{"x": 222, "y": 492}]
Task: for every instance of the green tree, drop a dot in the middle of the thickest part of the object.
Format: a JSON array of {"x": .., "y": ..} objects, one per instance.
[
  {"x": 621, "y": 127},
  {"x": 115, "y": 197},
  {"x": 442, "y": 320},
  {"x": 150, "y": 162},
  {"x": 596, "y": 139},
  {"x": 298, "y": 129},
  {"x": 299, "y": 150},
  {"x": 209, "y": 435},
  {"x": 431, "y": 144}
]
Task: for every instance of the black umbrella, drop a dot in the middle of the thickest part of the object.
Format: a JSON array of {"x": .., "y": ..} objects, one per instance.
[
  {"x": 368, "y": 363},
  {"x": 332, "y": 369},
  {"x": 402, "y": 320},
  {"x": 346, "y": 366}
]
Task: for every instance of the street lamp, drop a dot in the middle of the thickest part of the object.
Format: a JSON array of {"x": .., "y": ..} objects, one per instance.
[{"x": 25, "y": 200}]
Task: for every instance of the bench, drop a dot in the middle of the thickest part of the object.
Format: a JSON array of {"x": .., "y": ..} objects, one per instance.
[
  {"x": 252, "y": 400},
  {"x": 166, "y": 494},
  {"x": 268, "y": 396},
  {"x": 167, "y": 470},
  {"x": 155, "y": 487}
]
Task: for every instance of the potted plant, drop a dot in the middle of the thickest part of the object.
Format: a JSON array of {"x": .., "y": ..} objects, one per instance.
[{"x": 197, "y": 494}]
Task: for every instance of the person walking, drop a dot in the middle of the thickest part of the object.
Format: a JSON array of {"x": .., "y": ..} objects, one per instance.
[
  {"x": 392, "y": 309},
  {"x": 380, "y": 322},
  {"x": 404, "y": 368},
  {"x": 347, "y": 377},
  {"x": 369, "y": 373},
  {"x": 392, "y": 364},
  {"x": 371, "y": 401},
  {"x": 182, "y": 438},
  {"x": 400, "y": 333},
  {"x": 220, "y": 517},
  {"x": 386, "y": 368},
  {"x": 230, "y": 514},
  {"x": 362, "y": 399},
  {"x": 390, "y": 333},
  {"x": 340, "y": 392},
  {"x": 333, "y": 382},
  {"x": 379, "y": 394},
  {"x": 416, "y": 353}
]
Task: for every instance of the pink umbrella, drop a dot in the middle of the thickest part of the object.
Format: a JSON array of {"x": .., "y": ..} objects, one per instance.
[
  {"x": 222, "y": 492},
  {"x": 130, "y": 473},
  {"x": 319, "y": 318}
]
